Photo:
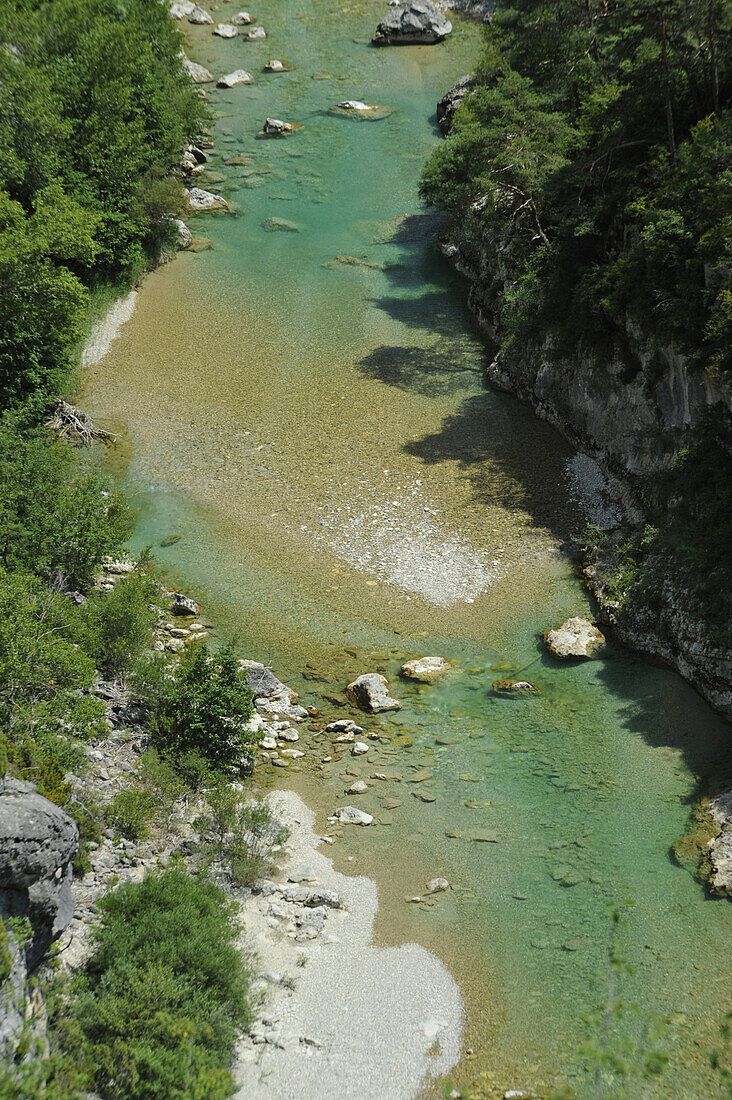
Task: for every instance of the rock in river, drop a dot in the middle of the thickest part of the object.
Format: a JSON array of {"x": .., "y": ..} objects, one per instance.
[
  {"x": 720, "y": 847},
  {"x": 425, "y": 669},
  {"x": 199, "y": 16},
  {"x": 198, "y": 199},
  {"x": 575, "y": 638},
  {"x": 256, "y": 33},
  {"x": 239, "y": 76},
  {"x": 181, "y": 8},
  {"x": 437, "y": 885},
  {"x": 183, "y": 605},
  {"x": 242, "y": 19},
  {"x": 371, "y": 692},
  {"x": 225, "y": 30},
  {"x": 275, "y": 127},
  {"x": 274, "y": 65},
  {"x": 450, "y": 101},
  {"x": 198, "y": 73},
  {"x": 516, "y": 689},
  {"x": 279, "y": 225},
  {"x": 416, "y": 23},
  {"x": 349, "y": 815}
]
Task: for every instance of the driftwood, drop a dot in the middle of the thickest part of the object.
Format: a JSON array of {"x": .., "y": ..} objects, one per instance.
[{"x": 73, "y": 425}]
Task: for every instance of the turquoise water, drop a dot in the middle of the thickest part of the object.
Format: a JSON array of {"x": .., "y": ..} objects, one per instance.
[{"x": 348, "y": 495}]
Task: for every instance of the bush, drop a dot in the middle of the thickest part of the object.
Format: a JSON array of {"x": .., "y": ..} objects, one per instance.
[
  {"x": 132, "y": 811},
  {"x": 204, "y": 708},
  {"x": 121, "y": 622},
  {"x": 158, "y": 1008},
  {"x": 244, "y": 834}
]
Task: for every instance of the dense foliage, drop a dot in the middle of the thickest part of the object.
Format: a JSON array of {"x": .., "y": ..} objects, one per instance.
[
  {"x": 158, "y": 1007},
  {"x": 94, "y": 111},
  {"x": 594, "y": 160}
]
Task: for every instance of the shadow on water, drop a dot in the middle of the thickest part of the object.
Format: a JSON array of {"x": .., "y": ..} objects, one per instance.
[{"x": 432, "y": 371}]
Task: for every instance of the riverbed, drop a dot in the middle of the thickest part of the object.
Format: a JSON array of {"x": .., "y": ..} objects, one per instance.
[{"x": 306, "y": 409}]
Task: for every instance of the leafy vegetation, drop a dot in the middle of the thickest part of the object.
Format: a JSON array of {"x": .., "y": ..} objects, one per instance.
[
  {"x": 243, "y": 835},
  {"x": 592, "y": 159},
  {"x": 156, "y": 1011}
]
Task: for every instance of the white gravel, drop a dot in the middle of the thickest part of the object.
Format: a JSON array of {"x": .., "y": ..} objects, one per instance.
[
  {"x": 401, "y": 539},
  {"x": 362, "y": 1022},
  {"x": 106, "y": 330}
]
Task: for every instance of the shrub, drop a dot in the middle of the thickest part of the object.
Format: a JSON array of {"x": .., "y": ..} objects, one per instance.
[
  {"x": 121, "y": 622},
  {"x": 244, "y": 834},
  {"x": 157, "y": 1010},
  {"x": 132, "y": 811},
  {"x": 204, "y": 708}
]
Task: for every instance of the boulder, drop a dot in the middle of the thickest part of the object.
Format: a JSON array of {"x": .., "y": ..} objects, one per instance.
[
  {"x": 274, "y": 65},
  {"x": 184, "y": 234},
  {"x": 225, "y": 30},
  {"x": 275, "y": 127},
  {"x": 198, "y": 199},
  {"x": 515, "y": 689},
  {"x": 450, "y": 101},
  {"x": 262, "y": 681},
  {"x": 242, "y": 19},
  {"x": 279, "y": 225},
  {"x": 575, "y": 638},
  {"x": 360, "y": 748},
  {"x": 355, "y": 105},
  {"x": 328, "y": 898},
  {"x": 198, "y": 73},
  {"x": 199, "y": 16},
  {"x": 437, "y": 885},
  {"x": 720, "y": 847},
  {"x": 359, "y": 787},
  {"x": 182, "y": 605},
  {"x": 239, "y": 76},
  {"x": 425, "y": 669},
  {"x": 371, "y": 692},
  {"x": 37, "y": 845},
  {"x": 349, "y": 815},
  {"x": 415, "y": 23},
  {"x": 256, "y": 33},
  {"x": 182, "y": 8}
]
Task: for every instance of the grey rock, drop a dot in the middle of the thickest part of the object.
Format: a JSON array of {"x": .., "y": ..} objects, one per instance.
[
  {"x": 359, "y": 787},
  {"x": 275, "y": 127},
  {"x": 296, "y": 893},
  {"x": 199, "y": 74},
  {"x": 256, "y": 33},
  {"x": 225, "y": 30},
  {"x": 575, "y": 638},
  {"x": 242, "y": 19},
  {"x": 720, "y": 847},
  {"x": 182, "y": 8},
  {"x": 201, "y": 200},
  {"x": 371, "y": 692},
  {"x": 360, "y": 748},
  {"x": 450, "y": 101},
  {"x": 437, "y": 885},
  {"x": 415, "y": 23},
  {"x": 239, "y": 76},
  {"x": 515, "y": 688},
  {"x": 425, "y": 669},
  {"x": 180, "y": 604},
  {"x": 262, "y": 680},
  {"x": 303, "y": 873},
  {"x": 199, "y": 16},
  {"x": 37, "y": 844},
  {"x": 327, "y": 898},
  {"x": 349, "y": 815},
  {"x": 280, "y": 225}
]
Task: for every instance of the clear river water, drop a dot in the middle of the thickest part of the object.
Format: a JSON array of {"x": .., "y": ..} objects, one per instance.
[{"x": 306, "y": 409}]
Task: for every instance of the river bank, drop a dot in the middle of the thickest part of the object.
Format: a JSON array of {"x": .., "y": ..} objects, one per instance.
[{"x": 305, "y": 427}]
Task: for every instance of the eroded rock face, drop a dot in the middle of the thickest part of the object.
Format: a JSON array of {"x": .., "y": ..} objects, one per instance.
[
  {"x": 37, "y": 844},
  {"x": 575, "y": 638},
  {"x": 371, "y": 692},
  {"x": 408, "y": 24},
  {"x": 720, "y": 847},
  {"x": 449, "y": 103},
  {"x": 425, "y": 669}
]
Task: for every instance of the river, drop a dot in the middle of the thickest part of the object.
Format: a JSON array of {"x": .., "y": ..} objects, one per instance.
[{"x": 307, "y": 411}]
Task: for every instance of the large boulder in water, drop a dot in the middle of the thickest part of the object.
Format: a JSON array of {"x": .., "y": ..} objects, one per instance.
[
  {"x": 37, "y": 845},
  {"x": 409, "y": 24},
  {"x": 199, "y": 74},
  {"x": 371, "y": 692},
  {"x": 449, "y": 103},
  {"x": 239, "y": 76},
  {"x": 575, "y": 638},
  {"x": 425, "y": 669},
  {"x": 198, "y": 199}
]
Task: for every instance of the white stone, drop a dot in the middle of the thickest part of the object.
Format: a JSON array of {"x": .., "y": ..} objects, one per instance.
[
  {"x": 225, "y": 30},
  {"x": 256, "y": 32},
  {"x": 199, "y": 16},
  {"x": 359, "y": 748},
  {"x": 575, "y": 638},
  {"x": 425, "y": 669},
  {"x": 349, "y": 815},
  {"x": 371, "y": 692},
  {"x": 242, "y": 18},
  {"x": 436, "y": 885},
  {"x": 239, "y": 76},
  {"x": 359, "y": 787}
]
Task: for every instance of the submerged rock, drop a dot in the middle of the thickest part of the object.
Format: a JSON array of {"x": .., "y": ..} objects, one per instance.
[
  {"x": 515, "y": 688},
  {"x": 425, "y": 669},
  {"x": 198, "y": 73},
  {"x": 575, "y": 638},
  {"x": 416, "y": 23},
  {"x": 450, "y": 101},
  {"x": 280, "y": 225},
  {"x": 371, "y": 692},
  {"x": 239, "y": 76}
]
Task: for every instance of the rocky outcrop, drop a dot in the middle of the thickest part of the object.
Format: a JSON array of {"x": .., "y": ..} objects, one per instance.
[
  {"x": 719, "y": 849},
  {"x": 576, "y": 638},
  {"x": 371, "y": 692},
  {"x": 409, "y": 24},
  {"x": 37, "y": 844},
  {"x": 450, "y": 101}
]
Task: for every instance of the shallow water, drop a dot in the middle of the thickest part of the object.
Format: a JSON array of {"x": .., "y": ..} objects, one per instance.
[{"x": 348, "y": 495}]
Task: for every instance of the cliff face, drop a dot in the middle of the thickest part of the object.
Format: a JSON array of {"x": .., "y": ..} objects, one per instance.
[{"x": 633, "y": 421}]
